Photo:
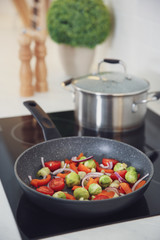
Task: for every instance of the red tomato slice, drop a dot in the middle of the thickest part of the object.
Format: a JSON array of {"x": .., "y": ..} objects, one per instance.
[
  {"x": 57, "y": 184},
  {"x": 53, "y": 165},
  {"x": 45, "y": 190},
  {"x": 105, "y": 161},
  {"x": 100, "y": 197}
]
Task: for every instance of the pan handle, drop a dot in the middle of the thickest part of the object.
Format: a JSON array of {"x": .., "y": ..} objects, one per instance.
[{"x": 49, "y": 129}]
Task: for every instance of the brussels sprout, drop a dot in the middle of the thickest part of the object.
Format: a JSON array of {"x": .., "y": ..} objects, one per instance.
[
  {"x": 120, "y": 166},
  {"x": 94, "y": 189},
  {"x": 115, "y": 184},
  {"x": 131, "y": 169},
  {"x": 72, "y": 179},
  {"x": 59, "y": 194},
  {"x": 131, "y": 176},
  {"x": 90, "y": 163},
  {"x": 81, "y": 193},
  {"x": 82, "y": 174},
  {"x": 62, "y": 164},
  {"x": 93, "y": 170},
  {"x": 105, "y": 181},
  {"x": 43, "y": 172},
  {"x": 115, "y": 195}
]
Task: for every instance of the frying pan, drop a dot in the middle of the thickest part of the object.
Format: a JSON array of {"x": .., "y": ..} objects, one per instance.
[{"x": 28, "y": 163}]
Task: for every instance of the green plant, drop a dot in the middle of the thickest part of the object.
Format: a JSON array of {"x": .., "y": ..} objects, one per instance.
[{"x": 78, "y": 22}]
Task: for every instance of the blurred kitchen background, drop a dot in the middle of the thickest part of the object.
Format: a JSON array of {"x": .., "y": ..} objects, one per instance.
[{"x": 135, "y": 39}]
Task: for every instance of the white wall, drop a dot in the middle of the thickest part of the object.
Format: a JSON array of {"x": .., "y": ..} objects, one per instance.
[
  {"x": 136, "y": 37},
  {"x": 135, "y": 40}
]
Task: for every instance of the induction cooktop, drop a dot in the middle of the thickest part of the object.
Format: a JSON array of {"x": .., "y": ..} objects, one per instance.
[{"x": 19, "y": 133}]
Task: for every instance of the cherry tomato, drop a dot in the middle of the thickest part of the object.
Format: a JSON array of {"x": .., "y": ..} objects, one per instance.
[
  {"x": 105, "y": 161},
  {"x": 53, "y": 165},
  {"x": 45, "y": 190},
  {"x": 57, "y": 184},
  {"x": 100, "y": 197}
]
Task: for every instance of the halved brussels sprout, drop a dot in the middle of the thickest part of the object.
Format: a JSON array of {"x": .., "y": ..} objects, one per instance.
[{"x": 72, "y": 179}]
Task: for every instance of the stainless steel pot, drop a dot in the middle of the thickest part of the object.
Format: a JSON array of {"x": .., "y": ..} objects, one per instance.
[{"x": 111, "y": 101}]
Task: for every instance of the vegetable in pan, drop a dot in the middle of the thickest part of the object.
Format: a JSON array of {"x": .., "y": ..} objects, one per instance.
[{"x": 83, "y": 178}]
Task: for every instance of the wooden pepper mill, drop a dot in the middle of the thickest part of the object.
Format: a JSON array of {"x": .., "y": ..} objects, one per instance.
[
  {"x": 40, "y": 68},
  {"x": 25, "y": 55},
  {"x": 33, "y": 18}
]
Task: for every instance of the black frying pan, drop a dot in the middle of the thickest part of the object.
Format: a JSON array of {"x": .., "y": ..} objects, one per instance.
[{"x": 28, "y": 163}]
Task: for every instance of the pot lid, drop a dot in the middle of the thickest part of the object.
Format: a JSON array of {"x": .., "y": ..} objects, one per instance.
[{"x": 111, "y": 83}]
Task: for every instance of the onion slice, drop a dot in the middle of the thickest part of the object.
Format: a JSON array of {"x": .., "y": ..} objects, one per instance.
[
  {"x": 74, "y": 159},
  {"x": 112, "y": 189},
  {"x": 109, "y": 165},
  {"x": 42, "y": 161},
  {"x": 136, "y": 183},
  {"x": 120, "y": 179},
  {"x": 30, "y": 178},
  {"x": 62, "y": 170}
]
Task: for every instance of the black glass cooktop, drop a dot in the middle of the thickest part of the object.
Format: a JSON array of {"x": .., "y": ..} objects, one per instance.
[{"x": 19, "y": 133}]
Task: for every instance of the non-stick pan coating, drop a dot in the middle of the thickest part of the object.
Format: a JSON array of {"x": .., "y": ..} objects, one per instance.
[{"x": 29, "y": 163}]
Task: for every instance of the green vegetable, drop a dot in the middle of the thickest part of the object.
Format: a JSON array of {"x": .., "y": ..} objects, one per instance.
[
  {"x": 80, "y": 193},
  {"x": 72, "y": 179},
  {"x": 84, "y": 23},
  {"x": 120, "y": 166},
  {"x": 131, "y": 169},
  {"x": 90, "y": 163},
  {"x": 131, "y": 176},
  {"x": 43, "y": 172},
  {"x": 82, "y": 174},
  {"x": 105, "y": 181},
  {"x": 115, "y": 184},
  {"x": 59, "y": 194},
  {"x": 94, "y": 189}
]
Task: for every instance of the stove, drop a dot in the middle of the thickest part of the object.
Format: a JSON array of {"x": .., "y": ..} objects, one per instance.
[{"x": 19, "y": 133}]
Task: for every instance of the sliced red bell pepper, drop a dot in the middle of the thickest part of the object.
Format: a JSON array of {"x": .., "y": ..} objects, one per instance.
[
  {"x": 108, "y": 194},
  {"x": 40, "y": 182},
  {"x": 67, "y": 161},
  {"x": 62, "y": 175},
  {"x": 140, "y": 184},
  {"x": 69, "y": 196},
  {"x": 126, "y": 187},
  {"x": 120, "y": 190},
  {"x": 122, "y": 173},
  {"x": 73, "y": 167},
  {"x": 99, "y": 169},
  {"x": 83, "y": 168},
  {"x": 105, "y": 161},
  {"x": 75, "y": 187},
  {"x": 100, "y": 197},
  {"x": 80, "y": 155},
  {"x": 90, "y": 181}
]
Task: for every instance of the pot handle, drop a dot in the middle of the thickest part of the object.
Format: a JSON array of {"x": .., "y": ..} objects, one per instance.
[
  {"x": 155, "y": 96},
  {"x": 67, "y": 83},
  {"x": 113, "y": 61},
  {"x": 49, "y": 129}
]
